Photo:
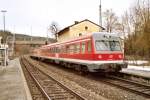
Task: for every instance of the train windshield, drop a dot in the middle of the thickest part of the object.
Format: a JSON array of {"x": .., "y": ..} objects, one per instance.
[
  {"x": 115, "y": 45},
  {"x": 103, "y": 45}
]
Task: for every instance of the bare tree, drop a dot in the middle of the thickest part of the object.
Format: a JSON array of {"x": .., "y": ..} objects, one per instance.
[
  {"x": 110, "y": 20},
  {"x": 126, "y": 22},
  {"x": 139, "y": 23},
  {"x": 54, "y": 29}
]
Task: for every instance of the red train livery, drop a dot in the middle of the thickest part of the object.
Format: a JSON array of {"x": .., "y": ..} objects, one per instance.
[{"x": 96, "y": 52}]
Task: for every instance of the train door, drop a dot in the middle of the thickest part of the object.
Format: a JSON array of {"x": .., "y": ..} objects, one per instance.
[
  {"x": 89, "y": 47},
  {"x": 83, "y": 47}
]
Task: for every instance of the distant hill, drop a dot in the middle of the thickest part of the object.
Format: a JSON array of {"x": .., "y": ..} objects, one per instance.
[
  {"x": 24, "y": 44},
  {"x": 22, "y": 37}
]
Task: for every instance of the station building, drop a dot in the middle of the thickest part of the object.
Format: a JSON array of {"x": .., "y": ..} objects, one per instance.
[{"x": 77, "y": 29}]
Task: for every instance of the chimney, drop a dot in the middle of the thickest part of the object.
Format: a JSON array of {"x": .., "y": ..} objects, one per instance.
[{"x": 76, "y": 22}]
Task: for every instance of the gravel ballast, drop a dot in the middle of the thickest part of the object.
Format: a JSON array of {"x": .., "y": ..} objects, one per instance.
[{"x": 88, "y": 87}]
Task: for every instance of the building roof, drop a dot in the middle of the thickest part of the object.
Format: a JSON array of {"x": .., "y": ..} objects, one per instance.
[{"x": 76, "y": 22}]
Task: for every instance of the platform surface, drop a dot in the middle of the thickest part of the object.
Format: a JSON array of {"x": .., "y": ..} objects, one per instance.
[
  {"x": 143, "y": 71},
  {"x": 12, "y": 82}
]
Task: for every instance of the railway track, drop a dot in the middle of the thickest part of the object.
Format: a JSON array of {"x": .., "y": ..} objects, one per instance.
[
  {"x": 133, "y": 86},
  {"x": 35, "y": 91},
  {"x": 136, "y": 78},
  {"x": 47, "y": 88},
  {"x": 136, "y": 87}
]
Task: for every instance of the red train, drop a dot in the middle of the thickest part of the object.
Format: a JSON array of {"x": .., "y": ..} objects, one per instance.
[{"x": 93, "y": 53}]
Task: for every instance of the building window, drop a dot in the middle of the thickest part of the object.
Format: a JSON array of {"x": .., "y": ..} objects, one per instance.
[
  {"x": 86, "y": 28},
  {"x": 80, "y": 34}
]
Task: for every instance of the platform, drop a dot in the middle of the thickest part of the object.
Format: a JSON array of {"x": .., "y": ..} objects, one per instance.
[
  {"x": 13, "y": 85},
  {"x": 137, "y": 70}
]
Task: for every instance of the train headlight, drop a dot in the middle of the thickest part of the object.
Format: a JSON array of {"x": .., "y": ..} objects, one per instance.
[
  {"x": 120, "y": 56},
  {"x": 110, "y": 56},
  {"x": 99, "y": 56}
]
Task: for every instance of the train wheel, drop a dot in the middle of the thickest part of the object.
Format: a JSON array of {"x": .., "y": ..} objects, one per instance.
[
  {"x": 84, "y": 70},
  {"x": 77, "y": 67},
  {"x": 69, "y": 65}
]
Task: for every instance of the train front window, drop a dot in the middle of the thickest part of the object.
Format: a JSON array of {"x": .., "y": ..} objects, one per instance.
[
  {"x": 102, "y": 45},
  {"x": 105, "y": 45},
  {"x": 115, "y": 45}
]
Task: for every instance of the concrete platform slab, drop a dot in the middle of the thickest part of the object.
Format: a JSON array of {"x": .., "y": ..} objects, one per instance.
[
  {"x": 142, "y": 73},
  {"x": 12, "y": 82}
]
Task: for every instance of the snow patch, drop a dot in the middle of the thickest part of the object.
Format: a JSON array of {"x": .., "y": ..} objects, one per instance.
[
  {"x": 143, "y": 68},
  {"x": 137, "y": 62}
]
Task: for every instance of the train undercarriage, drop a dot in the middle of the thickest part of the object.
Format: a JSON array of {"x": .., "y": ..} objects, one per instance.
[{"x": 86, "y": 67}]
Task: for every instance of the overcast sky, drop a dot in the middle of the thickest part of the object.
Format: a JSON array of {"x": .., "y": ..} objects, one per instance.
[{"x": 21, "y": 15}]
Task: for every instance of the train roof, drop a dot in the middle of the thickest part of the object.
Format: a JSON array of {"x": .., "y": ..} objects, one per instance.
[
  {"x": 105, "y": 33},
  {"x": 84, "y": 37}
]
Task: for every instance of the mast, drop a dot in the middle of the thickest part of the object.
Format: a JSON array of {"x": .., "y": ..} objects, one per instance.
[{"x": 100, "y": 15}]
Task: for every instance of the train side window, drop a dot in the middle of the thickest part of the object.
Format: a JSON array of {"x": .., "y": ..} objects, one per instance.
[
  {"x": 65, "y": 49},
  {"x": 78, "y": 48},
  {"x": 83, "y": 48},
  {"x": 71, "y": 49},
  {"x": 62, "y": 49},
  {"x": 50, "y": 50},
  {"x": 57, "y": 49},
  {"x": 54, "y": 49},
  {"x": 75, "y": 48},
  {"x": 89, "y": 46}
]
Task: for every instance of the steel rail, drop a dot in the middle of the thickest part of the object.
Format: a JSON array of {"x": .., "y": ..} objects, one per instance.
[
  {"x": 37, "y": 83},
  {"x": 62, "y": 85},
  {"x": 128, "y": 85}
]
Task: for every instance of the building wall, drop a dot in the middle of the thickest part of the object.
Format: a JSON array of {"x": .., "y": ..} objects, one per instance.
[
  {"x": 83, "y": 28},
  {"x": 64, "y": 36}
]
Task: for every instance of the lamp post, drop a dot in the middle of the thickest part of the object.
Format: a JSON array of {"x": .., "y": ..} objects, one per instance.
[
  {"x": 5, "y": 46},
  {"x": 100, "y": 14},
  {"x": 4, "y": 11}
]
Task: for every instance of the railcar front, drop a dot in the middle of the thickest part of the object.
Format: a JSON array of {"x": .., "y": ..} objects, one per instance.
[{"x": 108, "y": 53}]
